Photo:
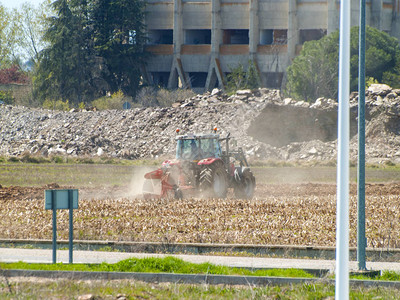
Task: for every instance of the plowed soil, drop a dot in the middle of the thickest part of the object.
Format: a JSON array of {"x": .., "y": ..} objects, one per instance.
[{"x": 280, "y": 214}]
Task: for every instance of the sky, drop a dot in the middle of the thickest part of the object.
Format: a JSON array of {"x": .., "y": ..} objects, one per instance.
[{"x": 17, "y": 3}]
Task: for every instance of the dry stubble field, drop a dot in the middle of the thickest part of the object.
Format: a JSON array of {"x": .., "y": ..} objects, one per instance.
[{"x": 292, "y": 206}]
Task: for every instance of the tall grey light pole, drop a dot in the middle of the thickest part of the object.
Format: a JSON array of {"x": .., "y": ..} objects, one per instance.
[{"x": 342, "y": 219}]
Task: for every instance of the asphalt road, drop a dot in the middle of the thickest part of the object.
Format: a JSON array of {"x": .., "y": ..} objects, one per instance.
[{"x": 45, "y": 256}]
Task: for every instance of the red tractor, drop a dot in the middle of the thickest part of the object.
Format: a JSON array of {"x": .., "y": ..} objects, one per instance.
[{"x": 201, "y": 167}]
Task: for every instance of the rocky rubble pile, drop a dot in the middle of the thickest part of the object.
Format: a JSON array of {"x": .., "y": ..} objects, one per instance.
[
  {"x": 133, "y": 134},
  {"x": 263, "y": 124}
]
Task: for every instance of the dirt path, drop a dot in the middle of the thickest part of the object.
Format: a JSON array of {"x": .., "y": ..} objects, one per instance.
[{"x": 263, "y": 190}]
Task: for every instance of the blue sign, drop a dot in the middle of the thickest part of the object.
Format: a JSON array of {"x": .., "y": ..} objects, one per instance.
[
  {"x": 126, "y": 105},
  {"x": 60, "y": 199}
]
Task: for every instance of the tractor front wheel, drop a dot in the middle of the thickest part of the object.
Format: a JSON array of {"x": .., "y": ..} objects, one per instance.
[{"x": 213, "y": 181}]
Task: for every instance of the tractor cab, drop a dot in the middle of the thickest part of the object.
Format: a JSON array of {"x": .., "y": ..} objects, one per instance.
[{"x": 197, "y": 147}]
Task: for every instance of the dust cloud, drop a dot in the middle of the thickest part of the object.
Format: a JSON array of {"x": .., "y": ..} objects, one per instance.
[
  {"x": 282, "y": 125},
  {"x": 132, "y": 189},
  {"x": 137, "y": 182}
]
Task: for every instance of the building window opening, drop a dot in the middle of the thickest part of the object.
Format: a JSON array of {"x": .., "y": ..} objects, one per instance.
[
  {"x": 160, "y": 78},
  {"x": 216, "y": 84},
  {"x": 198, "y": 79},
  {"x": 273, "y": 37},
  {"x": 163, "y": 36},
  {"x": 236, "y": 37},
  {"x": 266, "y": 37},
  {"x": 196, "y": 37},
  {"x": 280, "y": 36},
  {"x": 311, "y": 34}
]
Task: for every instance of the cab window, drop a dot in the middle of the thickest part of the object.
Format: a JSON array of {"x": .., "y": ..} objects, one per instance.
[{"x": 184, "y": 148}]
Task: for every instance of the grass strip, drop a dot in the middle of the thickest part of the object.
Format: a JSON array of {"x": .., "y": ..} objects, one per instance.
[
  {"x": 158, "y": 265},
  {"x": 56, "y": 159},
  {"x": 131, "y": 289},
  {"x": 175, "y": 265},
  {"x": 385, "y": 275}
]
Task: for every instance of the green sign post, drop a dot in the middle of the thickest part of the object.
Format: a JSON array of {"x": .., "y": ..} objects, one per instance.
[
  {"x": 361, "y": 241},
  {"x": 62, "y": 199}
]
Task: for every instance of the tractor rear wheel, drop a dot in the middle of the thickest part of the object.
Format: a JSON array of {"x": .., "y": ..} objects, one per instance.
[
  {"x": 245, "y": 186},
  {"x": 213, "y": 181}
]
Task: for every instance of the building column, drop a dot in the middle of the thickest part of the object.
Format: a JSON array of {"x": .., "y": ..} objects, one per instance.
[
  {"x": 376, "y": 14},
  {"x": 178, "y": 30},
  {"x": 216, "y": 27},
  {"x": 395, "y": 26},
  {"x": 293, "y": 31},
  {"x": 254, "y": 30},
  {"x": 333, "y": 16},
  {"x": 177, "y": 71},
  {"x": 214, "y": 70}
]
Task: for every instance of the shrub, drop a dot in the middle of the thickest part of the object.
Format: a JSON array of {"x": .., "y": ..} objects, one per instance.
[
  {"x": 147, "y": 96},
  {"x": 13, "y": 75},
  {"x": 85, "y": 160},
  {"x": 151, "y": 96},
  {"x": 28, "y": 158},
  {"x": 166, "y": 97},
  {"x": 369, "y": 81},
  {"x": 13, "y": 159},
  {"x": 56, "y": 104},
  {"x": 239, "y": 78},
  {"x": 7, "y": 97},
  {"x": 115, "y": 101},
  {"x": 57, "y": 159}
]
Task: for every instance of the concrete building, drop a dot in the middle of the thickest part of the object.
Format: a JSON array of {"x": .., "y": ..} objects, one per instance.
[{"x": 196, "y": 43}]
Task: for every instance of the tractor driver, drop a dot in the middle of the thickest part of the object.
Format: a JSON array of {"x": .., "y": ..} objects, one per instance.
[{"x": 195, "y": 151}]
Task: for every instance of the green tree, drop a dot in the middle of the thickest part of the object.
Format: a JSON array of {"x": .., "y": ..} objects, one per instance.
[
  {"x": 236, "y": 79},
  {"x": 392, "y": 77},
  {"x": 239, "y": 78},
  {"x": 252, "y": 76},
  {"x": 66, "y": 67},
  {"x": 30, "y": 24},
  {"x": 21, "y": 34},
  {"x": 7, "y": 38},
  {"x": 119, "y": 34},
  {"x": 93, "y": 47},
  {"x": 314, "y": 73}
]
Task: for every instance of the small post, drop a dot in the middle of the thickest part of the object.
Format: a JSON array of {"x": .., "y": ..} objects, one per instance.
[
  {"x": 54, "y": 208},
  {"x": 71, "y": 226}
]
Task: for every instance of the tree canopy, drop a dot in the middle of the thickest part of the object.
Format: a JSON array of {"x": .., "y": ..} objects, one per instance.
[
  {"x": 7, "y": 37},
  {"x": 119, "y": 35},
  {"x": 314, "y": 73},
  {"x": 30, "y": 24},
  {"x": 66, "y": 64},
  {"x": 94, "y": 47},
  {"x": 21, "y": 34},
  {"x": 239, "y": 78}
]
